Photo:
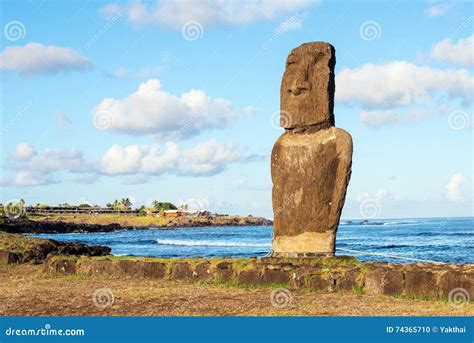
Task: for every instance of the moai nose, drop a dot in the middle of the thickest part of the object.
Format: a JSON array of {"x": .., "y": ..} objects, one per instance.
[{"x": 300, "y": 85}]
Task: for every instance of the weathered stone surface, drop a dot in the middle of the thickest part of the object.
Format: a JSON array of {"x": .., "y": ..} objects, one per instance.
[
  {"x": 203, "y": 272},
  {"x": 454, "y": 279},
  {"x": 251, "y": 277},
  {"x": 156, "y": 270},
  {"x": 470, "y": 283},
  {"x": 339, "y": 274},
  {"x": 95, "y": 267},
  {"x": 393, "y": 282},
  {"x": 224, "y": 265},
  {"x": 421, "y": 283},
  {"x": 7, "y": 257},
  {"x": 307, "y": 87},
  {"x": 224, "y": 275},
  {"x": 320, "y": 282},
  {"x": 310, "y": 173},
  {"x": 181, "y": 270},
  {"x": 373, "y": 283},
  {"x": 347, "y": 280},
  {"x": 276, "y": 276},
  {"x": 60, "y": 266}
]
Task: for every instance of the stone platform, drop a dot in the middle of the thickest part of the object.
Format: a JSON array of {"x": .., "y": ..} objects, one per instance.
[{"x": 325, "y": 274}]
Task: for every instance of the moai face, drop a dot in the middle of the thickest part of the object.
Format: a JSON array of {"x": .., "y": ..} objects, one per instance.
[{"x": 307, "y": 87}]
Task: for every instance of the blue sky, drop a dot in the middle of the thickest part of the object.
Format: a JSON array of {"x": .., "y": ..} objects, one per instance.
[{"x": 177, "y": 101}]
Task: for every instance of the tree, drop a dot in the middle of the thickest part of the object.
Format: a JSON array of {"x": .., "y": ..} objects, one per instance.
[
  {"x": 163, "y": 206},
  {"x": 125, "y": 202}
]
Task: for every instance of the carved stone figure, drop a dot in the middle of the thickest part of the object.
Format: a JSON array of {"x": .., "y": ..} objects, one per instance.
[{"x": 311, "y": 161}]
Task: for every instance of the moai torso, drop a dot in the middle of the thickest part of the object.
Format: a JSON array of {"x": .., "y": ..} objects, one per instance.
[{"x": 311, "y": 161}]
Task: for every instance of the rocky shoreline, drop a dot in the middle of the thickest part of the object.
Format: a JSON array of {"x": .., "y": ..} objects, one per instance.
[
  {"x": 27, "y": 226},
  {"x": 34, "y": 227},
  {"x": 23, "y": 249}
]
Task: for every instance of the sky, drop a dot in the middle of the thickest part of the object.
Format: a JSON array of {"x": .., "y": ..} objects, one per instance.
[{"x": 179, "y": 101}]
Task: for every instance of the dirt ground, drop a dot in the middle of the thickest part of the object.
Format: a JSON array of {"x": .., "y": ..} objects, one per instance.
[{"x": 26, "y": 290}]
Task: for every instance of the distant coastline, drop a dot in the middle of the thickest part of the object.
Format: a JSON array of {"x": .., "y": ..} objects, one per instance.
[{"x": 86, "y": 223}]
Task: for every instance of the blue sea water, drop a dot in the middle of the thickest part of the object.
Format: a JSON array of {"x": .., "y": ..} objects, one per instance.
[{"x": 436, "y": 239}]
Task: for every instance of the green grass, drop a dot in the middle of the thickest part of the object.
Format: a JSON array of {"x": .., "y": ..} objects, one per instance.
[
  {"x": 17, "y": 243},
  {"x": 358, "y": 290}
]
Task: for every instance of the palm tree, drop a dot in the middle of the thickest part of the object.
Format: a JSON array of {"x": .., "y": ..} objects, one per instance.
[{"x": 126, "y": 203}]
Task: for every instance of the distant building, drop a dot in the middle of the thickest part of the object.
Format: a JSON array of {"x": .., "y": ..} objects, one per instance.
[{"x": 174, "y": 213}]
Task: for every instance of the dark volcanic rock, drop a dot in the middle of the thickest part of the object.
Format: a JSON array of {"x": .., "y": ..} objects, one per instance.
[
  {"x": 7, "y": 257},
  {"x": 31, "y": 226}
]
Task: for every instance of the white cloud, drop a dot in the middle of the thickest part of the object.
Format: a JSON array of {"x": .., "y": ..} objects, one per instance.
[
  {"x": 251, "y": 110},
  {"x": 27, "y": 179},
  {"x": 35, "y": 168},
  {"x": 461, "y": 52},
  {"x": 207, "y": 158},
  {"x": 380, "y": 195},
  {"x": 137, "y": 162},
  {"x": 379, "y": 118},
  {"x": 23, "y": 151},
  {"x": 48, "y": 160},
  {"x": 35, "y": 58},
  {"x": 153, "y": 110},
  {"x": 437, "y": 10},
  {"x": 175, "y": 13},
  {"x": 295, "y": 22},
  {"x": 401, "y": 83},
  {"x": 454, "y": 188}
]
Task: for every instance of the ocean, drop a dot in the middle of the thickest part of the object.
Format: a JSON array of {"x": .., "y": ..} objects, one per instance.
[{"x": 448, "y": 240}]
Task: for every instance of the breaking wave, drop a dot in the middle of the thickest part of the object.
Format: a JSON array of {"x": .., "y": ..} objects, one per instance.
[{"x": 210, "y": 243}]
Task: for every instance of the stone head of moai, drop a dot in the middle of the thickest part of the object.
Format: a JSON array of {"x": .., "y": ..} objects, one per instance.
[
  {"x": 311, "y": 161},
  {"x": 307, "y": 87}
]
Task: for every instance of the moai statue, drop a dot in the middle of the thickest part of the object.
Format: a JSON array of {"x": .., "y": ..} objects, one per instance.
[{"x": 311, "y": 161}]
